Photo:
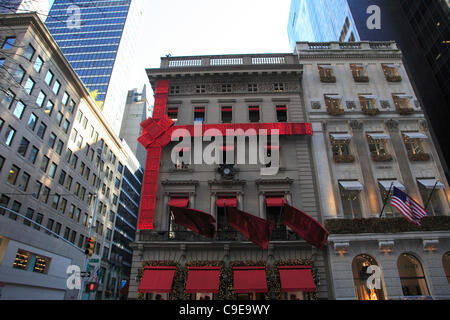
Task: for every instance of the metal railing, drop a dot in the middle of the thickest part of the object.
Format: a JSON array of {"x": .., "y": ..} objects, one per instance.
[{"x": 229, "y": 60}]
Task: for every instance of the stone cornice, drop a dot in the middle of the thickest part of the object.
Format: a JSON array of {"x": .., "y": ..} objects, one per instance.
[{"x": 179, "y": 182}]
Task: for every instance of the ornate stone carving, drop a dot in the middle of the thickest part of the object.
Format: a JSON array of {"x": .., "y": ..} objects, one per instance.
[
  {"x": 385, "y": 104},
  {"x": 315, "y": 105},
  {"x": 392, "y": 125},
  {"x": 351, "y": 105},
  {"x": 356, "y": 125}
]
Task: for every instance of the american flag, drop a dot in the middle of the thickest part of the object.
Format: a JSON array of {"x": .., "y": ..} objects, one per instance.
[{"x": 407, "y": 206}]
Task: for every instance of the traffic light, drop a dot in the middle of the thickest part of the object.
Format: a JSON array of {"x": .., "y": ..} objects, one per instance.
[
  {"x": 92, "y": 287},
  {"x": 90, "y": 244}
]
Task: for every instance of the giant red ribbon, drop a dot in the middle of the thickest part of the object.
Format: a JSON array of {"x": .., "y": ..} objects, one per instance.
[{"x": 157, "y": 132}]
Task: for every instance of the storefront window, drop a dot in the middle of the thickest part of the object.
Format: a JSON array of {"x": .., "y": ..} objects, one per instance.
[
  {"x": 411, "y": 275},
  {"x": 361, "y": 279}
]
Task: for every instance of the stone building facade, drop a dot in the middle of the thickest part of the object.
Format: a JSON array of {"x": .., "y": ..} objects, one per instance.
[
  {"x": 233, "y": 90},
  {"x": 370, "y": 133}
]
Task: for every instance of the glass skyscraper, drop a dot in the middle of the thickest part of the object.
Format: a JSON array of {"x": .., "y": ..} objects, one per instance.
[
  {"x": 321, "y": 21},
  {"x": 99, "y": 39},
  {"x": 41, "y": 7}
]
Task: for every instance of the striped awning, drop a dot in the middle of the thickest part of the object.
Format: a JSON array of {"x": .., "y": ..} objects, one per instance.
[
  {"x": 381, "y": 136},
  {"x": 386, "y": 184},
  {"x": 351, "y": 185},
  {"x": 431, "y": 183},
  {"x": 341, "y": 136}
]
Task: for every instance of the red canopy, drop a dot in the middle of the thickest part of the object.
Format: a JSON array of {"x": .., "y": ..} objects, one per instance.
[
  {"x": 296, "y": 278},
  {"x": 229, "y": 202},
  {"x": 203, "y": 279},
  {"x": 179, "y": 202},
  {"x": 275, "y": 201},
  {"x": 249, "y": 279},
  {"x": 157, "y": 279},
  {"x": 195, "y": 220}
]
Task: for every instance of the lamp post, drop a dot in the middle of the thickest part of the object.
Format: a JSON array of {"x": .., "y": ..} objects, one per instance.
[{"x": 86, "y": 261}]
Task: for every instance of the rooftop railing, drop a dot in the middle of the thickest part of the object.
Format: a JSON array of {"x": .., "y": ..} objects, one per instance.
[{"x": 227, "y": 60}]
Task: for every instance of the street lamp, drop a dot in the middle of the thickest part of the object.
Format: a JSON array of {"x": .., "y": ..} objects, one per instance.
[{"x": 86, "y": 261}]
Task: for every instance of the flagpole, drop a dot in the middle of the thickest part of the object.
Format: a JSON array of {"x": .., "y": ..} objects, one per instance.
[
  {"x": 386, "y": 199},
  {"x": 429, "y": 198}
]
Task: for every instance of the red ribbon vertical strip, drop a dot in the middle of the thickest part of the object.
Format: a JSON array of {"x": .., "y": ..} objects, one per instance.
[
  {"x": 155, "y": 135},
  {"x": 161, "y": 93},
  {"x": 149, "y": 188}
]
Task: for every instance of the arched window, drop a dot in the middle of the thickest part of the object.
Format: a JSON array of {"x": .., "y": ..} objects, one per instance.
[
  {"x": 361, "y": 280},
  {"x": 446, "y": 265},
  {"x": 411, "y": 275}
]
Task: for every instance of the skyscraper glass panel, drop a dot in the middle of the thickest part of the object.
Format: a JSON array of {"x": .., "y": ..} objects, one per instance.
[{"x": 321, "y": 21}]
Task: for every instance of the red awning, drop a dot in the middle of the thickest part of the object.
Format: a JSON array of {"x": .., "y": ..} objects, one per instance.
[
  {"x": 199, "y": 109},
  {"x": 296, "y": 278},
  {"x": 281, "y": 108},
  {"x": 157, "y": 279},
  {"x": 227, "y": 109},
  {"x": 179, "y": 202},
  {"x": 249, "y": 279},
  {"x": 253, "y": 108},
  {"x": 203, "y": 279},
  {"x": 275, "y": 201},
  {"x": 229, "y": 202},
  {"x": 172, "y": 110},
  {"x": 272, "y": 147}
]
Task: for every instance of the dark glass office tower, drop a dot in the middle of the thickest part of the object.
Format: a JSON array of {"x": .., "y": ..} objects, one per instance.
[{"x": 99, "y": 38}]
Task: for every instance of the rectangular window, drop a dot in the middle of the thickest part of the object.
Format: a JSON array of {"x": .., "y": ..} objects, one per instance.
[
  {"x": 45, "y": 194},
  {"x": 62, "y": 177},
  {"x": 41, "y": 98},
  {"x": 67, "y": 233},
  {"x": 38, "y": 63},
  {"x": 13, "y": 173},
  {"x": 226, "y": 87},
  {"x": 18, "y": 111},
  {"x": 29, "y": 52},
  {"x": 84, "y": 123},
  {"x": 253, "y": 87},
  {"x": 41, "y": 130},
  {"x": 56, "y": 87},
  {"x": 9, "y": 42},
  {"x": 23, "y": 147},
  {"x": 50, "y": 224},
  {"x": 199, "y": 114},
  {"x": 227, "y": 114},
  {"x": 351, "y": 203},
  {"x": 4, "y": 201},
  {"x": 32, "y": 121},
  {"x": 16, "y": 208},
  {"x": 69, "y": 182},
  {"x": 29, "y": 214},
  {"x": 278, "y": 87},
  {"x": 253, "y": 113},
  {"x": 52, "y": 140},
  {"x": 29, "y": 85},
  {"x": 39, "y": 218},
  {"x": 79, "y": 116},
  {"x": 62, "y": 207},
  {"x": 49, "y": 107},
  {"x": 19, "y": 74},
  {"x": 33, "y": 154},
  {"x": 326, "y": 73},
  {"x": 72, "y": 106},
  {"x": 359, "y": 72},
  {"x": 9, "y": 99},
  {"x": 23, "y": 182},
  {"x": 57, "y": 228},
  {"x": 59, "y": 147},
  {"x": 49, "y": 77},
  {"x": 66, "y": 126},
  {"x": 52, "y": 170},
  {"x": 9, "y": 135},
  {"x": 65, "y": 98},
  {"x": 200, "y": 88},
  {"x": 37, "y": 189},
  {"x": 74, "y": 135},
  {"x": 74, "y": 162},
  {"x": 281, "y": 113},
  {"x": 44, "y": 163},
  {"x": 59, "y": 118},
  {"x": 55, "y": 201}
]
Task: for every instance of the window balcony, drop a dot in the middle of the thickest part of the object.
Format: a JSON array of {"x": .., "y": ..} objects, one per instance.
[
  {"x": 381, "y": 157},
  {"x": 393, "y": 78},
  {"x": 419, "y": 156},
  {"x": 344, "y": 158},
  {"x": 328, "y": 79},
  {"x": 405, "y": 111},
  {"x": 335, "y": 111},
  {"x": 370, "y": 111},
  {"x": 359, "y": 78}
]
